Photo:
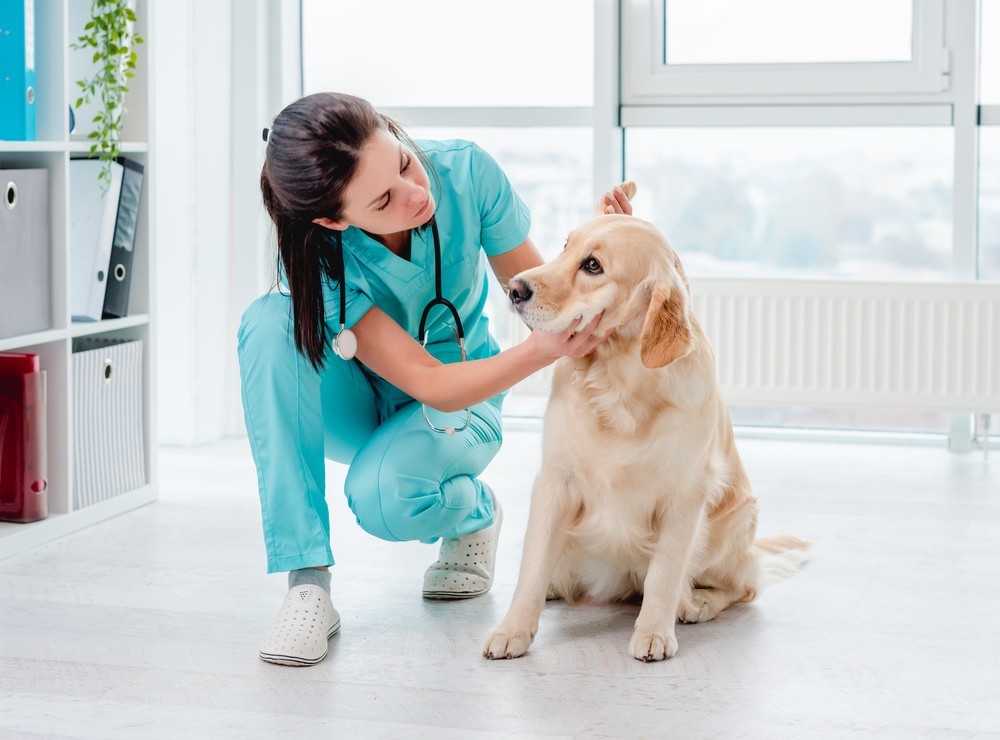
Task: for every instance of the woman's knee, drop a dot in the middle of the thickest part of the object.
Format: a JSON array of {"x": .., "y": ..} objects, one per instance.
[{"x": 392, "y": 511}]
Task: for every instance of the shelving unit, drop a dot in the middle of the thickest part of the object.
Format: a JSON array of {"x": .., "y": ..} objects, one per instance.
[{"x": 56, "y": 24}]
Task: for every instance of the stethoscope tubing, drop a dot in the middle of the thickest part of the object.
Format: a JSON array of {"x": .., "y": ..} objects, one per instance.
[{"x": 345, "y": 344}]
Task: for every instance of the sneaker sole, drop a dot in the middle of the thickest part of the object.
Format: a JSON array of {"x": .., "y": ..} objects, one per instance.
[
  {"x": 454, "y": 595},
  {"x": 295, "y": 660}
]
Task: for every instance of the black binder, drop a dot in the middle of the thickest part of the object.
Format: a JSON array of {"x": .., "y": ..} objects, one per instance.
[{"x": 119, "y": 287}]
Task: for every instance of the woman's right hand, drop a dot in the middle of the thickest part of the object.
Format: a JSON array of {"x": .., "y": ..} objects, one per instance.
[{"x": 575, "y": 341}]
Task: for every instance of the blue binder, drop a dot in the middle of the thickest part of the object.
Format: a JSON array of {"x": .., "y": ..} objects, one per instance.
[{"x": 17, "y": 70}]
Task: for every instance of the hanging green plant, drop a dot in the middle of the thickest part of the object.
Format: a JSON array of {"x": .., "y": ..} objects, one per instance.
[{"x": 109, "y": 32}]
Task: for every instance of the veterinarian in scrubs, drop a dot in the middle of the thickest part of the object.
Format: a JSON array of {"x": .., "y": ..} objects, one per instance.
[{"x": 343, "y": 183}]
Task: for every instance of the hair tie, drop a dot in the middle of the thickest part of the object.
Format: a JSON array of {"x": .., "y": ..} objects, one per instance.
[{"x": 265, "y": 134}]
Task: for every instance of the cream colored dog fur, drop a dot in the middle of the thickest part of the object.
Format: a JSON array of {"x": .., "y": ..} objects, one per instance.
[{"x": 641, "y": 492}]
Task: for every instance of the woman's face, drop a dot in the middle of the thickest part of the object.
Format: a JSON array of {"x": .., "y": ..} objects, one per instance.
[{"x": 390, "y": 191}]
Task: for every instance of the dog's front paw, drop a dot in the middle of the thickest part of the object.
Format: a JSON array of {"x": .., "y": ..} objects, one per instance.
[
  {"x": 649, "y": 646},
  {"x": 507, "y": 643}
]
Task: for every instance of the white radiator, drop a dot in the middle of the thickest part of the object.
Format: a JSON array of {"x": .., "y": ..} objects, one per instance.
[{"x": 823, "y": 343}]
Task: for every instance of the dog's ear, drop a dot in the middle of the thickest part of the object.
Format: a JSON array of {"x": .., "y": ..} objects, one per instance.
[{"x": 666, "y": 331}]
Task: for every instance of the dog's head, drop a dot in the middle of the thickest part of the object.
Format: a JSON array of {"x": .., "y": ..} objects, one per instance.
[{"x": 622, "y": 266}]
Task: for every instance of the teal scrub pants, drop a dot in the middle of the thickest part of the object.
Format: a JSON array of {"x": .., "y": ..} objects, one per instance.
[{"x": 405, "y": 481}]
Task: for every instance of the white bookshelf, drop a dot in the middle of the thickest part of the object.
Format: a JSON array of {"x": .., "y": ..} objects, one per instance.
[{"x": 56, "y": 22}]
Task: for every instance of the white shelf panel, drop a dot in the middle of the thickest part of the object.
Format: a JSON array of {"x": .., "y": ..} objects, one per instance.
[
  {"x": 11, "y": 344},
  {"x": 32, "y": 146},
  {"x": 76, "y": 329},
  {"x": 88, "y": 328},
  {"x": 73, "y": 147},
  {"x": 126, "y": 147},
  {"x": 16, "y": 538}
]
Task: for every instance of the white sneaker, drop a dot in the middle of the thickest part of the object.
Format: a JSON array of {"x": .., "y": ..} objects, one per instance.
[
  {"x": 464, "y": 567},
  {"x": 299, "y": 634}
]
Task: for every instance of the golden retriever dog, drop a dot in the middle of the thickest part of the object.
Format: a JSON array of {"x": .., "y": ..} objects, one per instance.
[{"x": 641, "y": 492}]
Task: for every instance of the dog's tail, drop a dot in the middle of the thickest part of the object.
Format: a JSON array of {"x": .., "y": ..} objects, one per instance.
[{"x": 778, "y": 557}]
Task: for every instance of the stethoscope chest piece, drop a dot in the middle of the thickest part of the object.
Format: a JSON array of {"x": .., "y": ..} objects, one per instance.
[{"x": 345, "y": 344}]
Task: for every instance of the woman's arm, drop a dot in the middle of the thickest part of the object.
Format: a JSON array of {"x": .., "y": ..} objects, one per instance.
[{"x": 386, "y": 349}]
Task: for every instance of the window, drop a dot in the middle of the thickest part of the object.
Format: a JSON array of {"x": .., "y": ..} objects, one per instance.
[
  {"x": 989, "y": 144},
  {"x": 745, "y": 32},
  {"x": 858, "y": 202},
  {"x": 690, "y": 49},
  {"x": 453, "y": 53},
  {"x": 769, "y": 138},
  {"x": 989, "y": 203},
  {"x": 990, "y": 53}
]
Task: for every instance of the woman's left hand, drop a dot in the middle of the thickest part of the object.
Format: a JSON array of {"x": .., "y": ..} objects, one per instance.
[{"x": 615, "y": 201}]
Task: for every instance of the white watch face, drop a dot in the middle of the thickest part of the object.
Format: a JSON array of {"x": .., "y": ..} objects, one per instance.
[{"x": 346, "y": 345}]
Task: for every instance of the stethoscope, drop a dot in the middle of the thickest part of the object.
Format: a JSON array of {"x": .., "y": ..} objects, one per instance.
[{"x": 345, "y": 344}]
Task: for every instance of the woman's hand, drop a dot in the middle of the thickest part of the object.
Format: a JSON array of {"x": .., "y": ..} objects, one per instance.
[
  {"x": 575, "y": 341},
  {"x": 615, "y": 201}
]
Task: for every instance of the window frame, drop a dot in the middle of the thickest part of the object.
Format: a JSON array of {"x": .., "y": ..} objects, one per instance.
[{"x": 647, "y": 78}]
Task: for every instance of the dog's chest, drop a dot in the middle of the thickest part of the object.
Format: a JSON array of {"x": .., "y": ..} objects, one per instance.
[
  {"x": 611, "y": 399},
  {"x": 615, "y": 525}
]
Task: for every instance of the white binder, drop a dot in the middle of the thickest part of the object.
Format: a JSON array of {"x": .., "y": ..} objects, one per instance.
[
  {"x": 108, "y": 457},
  {"x": 91, "y": 235}
]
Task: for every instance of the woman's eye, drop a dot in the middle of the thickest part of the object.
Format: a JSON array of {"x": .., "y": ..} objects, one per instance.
[
  {"x": 407, "y": 165},
  {"x": 592, "y": 266},
  {"x": 388, "y": 200}
]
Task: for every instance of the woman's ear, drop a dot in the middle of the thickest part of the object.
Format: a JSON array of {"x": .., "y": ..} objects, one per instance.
[{"x": 327, "y": 223}]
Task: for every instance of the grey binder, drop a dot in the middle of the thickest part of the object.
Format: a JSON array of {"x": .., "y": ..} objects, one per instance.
[
  {"x": 119, "y": 288},
  {"x": 25, "y": 253}
]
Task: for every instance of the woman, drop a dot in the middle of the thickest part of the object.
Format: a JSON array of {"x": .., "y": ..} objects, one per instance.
[{"x": 357, "y": 206}]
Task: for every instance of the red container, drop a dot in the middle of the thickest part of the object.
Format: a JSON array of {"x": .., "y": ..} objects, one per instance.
[{"x": 23, "y": 451}]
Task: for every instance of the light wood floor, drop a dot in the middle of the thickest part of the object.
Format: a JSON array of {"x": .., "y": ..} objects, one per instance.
[{"x": 147, "y": 626}]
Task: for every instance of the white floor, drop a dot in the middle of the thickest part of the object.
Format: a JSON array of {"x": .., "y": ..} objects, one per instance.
[{"x": 147, "y": 626}]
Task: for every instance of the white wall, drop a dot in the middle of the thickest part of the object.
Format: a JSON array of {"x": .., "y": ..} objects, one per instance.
[
  {"x": 194, "y": 181},
  {"x": 218, "y": 82}
]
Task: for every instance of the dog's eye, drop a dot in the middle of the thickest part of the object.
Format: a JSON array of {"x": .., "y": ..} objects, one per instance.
[{"x": 592, "y": 266}]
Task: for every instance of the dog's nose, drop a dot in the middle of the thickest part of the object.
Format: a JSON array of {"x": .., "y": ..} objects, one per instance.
[{"x": 518, "y": 291}]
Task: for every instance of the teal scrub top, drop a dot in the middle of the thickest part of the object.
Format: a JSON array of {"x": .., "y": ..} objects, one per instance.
[{"x": 478, "y": 214}]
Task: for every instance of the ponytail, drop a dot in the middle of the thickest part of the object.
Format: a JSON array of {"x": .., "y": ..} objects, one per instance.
[{"x": 306, "y": 254}]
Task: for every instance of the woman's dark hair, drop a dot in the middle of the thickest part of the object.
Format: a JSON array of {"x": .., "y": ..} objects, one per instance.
[{"x": 313, "y": 151}]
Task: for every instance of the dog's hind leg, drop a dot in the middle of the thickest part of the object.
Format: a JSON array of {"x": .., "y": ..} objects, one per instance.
[{"x": 705, "y": 604}]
